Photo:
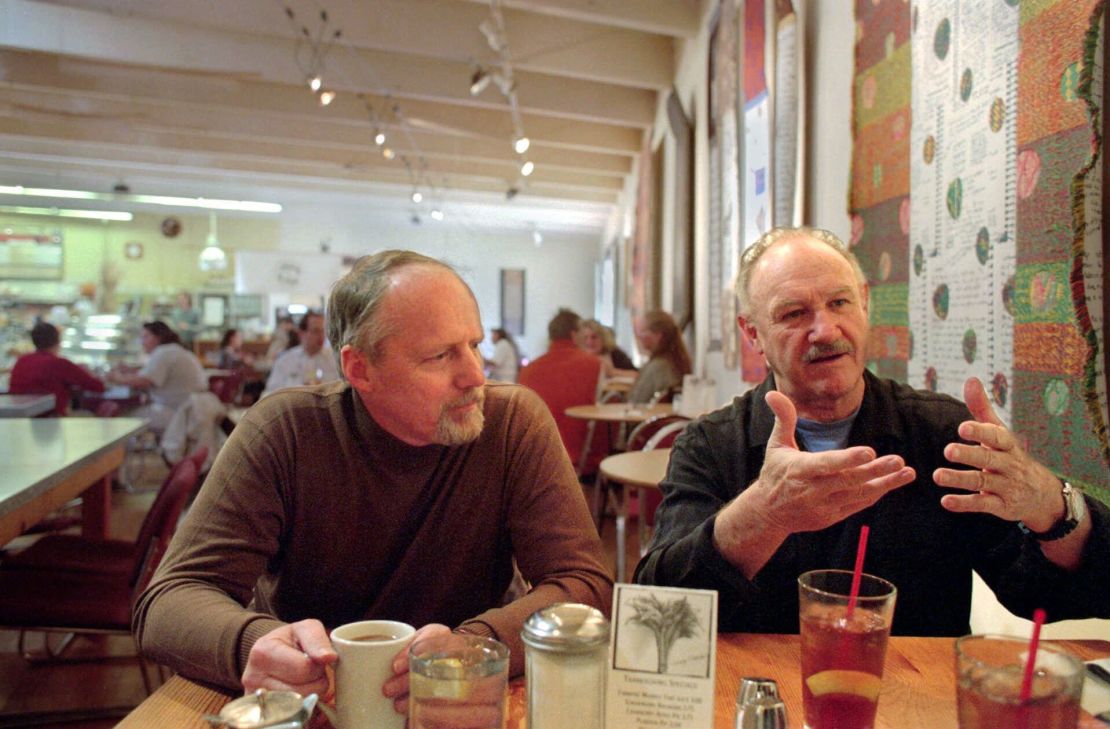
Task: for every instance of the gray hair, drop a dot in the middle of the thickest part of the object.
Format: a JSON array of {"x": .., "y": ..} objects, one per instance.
[
  {"x": 756, "y": 250},
  {"x": 356, "y": 298}
]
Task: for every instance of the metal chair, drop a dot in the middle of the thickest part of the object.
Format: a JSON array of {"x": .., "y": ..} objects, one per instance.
[{"x": 636, "y": 441}]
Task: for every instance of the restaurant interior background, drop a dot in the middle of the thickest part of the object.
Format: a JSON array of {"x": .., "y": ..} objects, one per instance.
[{"x": 614, "y": 206}]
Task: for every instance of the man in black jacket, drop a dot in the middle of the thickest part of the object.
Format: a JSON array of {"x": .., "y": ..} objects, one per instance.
[{"x": 781, "y": 481}]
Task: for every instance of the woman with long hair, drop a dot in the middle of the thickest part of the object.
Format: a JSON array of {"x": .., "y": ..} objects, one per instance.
[
  {"x": 660, "y": 338},
  {"x": 505, "y": 363},
  {"x": 598, "y": 339}
]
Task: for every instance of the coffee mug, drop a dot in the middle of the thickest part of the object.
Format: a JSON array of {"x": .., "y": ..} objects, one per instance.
[{"x": 366, "y": 650}]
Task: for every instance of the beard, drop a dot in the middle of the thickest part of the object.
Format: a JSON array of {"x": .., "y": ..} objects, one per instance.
[{"x": 453, "y": 430}]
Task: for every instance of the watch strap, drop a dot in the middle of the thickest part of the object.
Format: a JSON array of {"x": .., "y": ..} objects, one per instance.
[{"x": 1066, "y": 524}]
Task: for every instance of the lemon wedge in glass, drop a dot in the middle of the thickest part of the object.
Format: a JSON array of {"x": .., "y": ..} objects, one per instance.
[{"x": 856, "y": 683}]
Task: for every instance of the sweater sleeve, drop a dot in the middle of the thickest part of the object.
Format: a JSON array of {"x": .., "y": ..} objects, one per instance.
[
  {"x": 214, "y": 561},
  {"x": 75, "y": 376},
  {"x": 554, "y": 540}
]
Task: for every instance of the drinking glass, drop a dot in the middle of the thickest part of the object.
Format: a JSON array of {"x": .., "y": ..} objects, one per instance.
[
  {"x": 989, "y": 673},
  {"x": 457, "y": 681},
  {"x": 842, "y": 656}
]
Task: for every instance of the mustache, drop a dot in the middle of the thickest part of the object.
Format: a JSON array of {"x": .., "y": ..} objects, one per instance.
[
  {"x": 817, "y": 351},
  {"x": 473, "y": 395}
]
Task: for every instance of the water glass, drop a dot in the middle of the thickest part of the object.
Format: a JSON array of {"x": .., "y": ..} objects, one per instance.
[{"x": 457, "y": 681}]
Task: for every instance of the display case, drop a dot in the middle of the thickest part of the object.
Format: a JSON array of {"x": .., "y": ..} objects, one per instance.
[{"x": 99, "y": 341}]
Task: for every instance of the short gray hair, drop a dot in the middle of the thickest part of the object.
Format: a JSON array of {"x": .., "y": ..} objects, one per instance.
[
  {"x": 356, "y": 298},
  {"x": 756, "y": 250}
]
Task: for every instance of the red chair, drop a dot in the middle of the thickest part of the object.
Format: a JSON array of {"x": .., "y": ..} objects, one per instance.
[
  {"x": 226, "y": 387},
  {"x": 636, "y": 441},
  {"x": 89, "y": 601},
  {"x": 73, "y": 552}
]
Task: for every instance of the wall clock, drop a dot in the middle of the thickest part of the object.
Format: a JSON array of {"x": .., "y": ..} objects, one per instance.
[{"x": 171, "y": 226}]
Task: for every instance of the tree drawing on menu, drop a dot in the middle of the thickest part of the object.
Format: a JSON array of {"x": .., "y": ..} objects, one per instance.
[{"x": 668, "y": 621}]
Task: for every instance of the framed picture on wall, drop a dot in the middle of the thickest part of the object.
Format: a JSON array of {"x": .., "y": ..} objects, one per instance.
[{"x": 512, "y": 301}]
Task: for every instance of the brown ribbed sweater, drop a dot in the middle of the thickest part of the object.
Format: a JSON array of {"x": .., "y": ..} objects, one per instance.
[{"x": 313, "y": 511}]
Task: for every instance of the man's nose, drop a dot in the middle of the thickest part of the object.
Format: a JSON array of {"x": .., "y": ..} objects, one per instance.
[
  {"x": 472, "y": 371},
  {"x": 825, "y": 327}
]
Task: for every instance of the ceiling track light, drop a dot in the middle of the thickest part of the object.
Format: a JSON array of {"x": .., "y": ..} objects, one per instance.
[
  {"x": 521, "y": 144},
  {"x": 379, "y": 138},
  {"x": 527, "y": 168},
  {"x": 326, "y": 97},
  {"x": 315, "y": 83},
  {"x": 417, "y": 197},
  {"x": 479, "y": 80},
  {"x": 388, "y": 152},
  {"x": 437, "y": 214}
]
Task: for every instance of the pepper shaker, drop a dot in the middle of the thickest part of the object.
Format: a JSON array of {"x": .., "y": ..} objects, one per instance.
[
  {"x": 566, "y": 647},
  {"x": 758, "y": 705}
]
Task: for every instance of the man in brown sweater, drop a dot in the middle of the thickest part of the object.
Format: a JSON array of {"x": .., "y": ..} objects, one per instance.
[{"x": 403, "y": 493}]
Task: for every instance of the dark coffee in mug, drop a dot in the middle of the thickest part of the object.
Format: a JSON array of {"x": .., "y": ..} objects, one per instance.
[{"x": 372, "y": 638}]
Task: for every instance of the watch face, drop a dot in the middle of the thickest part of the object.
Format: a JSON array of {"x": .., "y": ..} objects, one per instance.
[{"x": 171, "y": 226}]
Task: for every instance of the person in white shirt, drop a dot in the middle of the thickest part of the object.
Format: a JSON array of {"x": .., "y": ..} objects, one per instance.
[
  {"x": 306, "y": 364},
  {"x": 505, "y": 362},
  {"x": 170, "y": 375}
]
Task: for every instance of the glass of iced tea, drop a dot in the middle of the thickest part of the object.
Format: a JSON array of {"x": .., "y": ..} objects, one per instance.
[
  {"x": 989, "y": 673},
  {"x": 457, "y": 681},
  {"x": 842, "y": 653}
]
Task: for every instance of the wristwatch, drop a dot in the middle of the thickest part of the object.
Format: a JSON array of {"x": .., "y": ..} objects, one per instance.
[{"x": 1074, "y": 510}]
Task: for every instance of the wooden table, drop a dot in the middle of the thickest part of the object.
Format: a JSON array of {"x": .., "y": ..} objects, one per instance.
[
  {"x": 641, "y": 470},
  {"x": 25, "y": 406},
  {"x": 623, "y": 413},
  {"x": 49, "y": 461},
  {"x": 919, "y": 685}
]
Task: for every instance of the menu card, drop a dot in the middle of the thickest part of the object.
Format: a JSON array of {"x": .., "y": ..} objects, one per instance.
[{"x": 662, "y": 658}]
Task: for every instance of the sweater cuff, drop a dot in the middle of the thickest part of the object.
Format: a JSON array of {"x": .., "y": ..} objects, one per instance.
[{"x": 252, "y": 631}]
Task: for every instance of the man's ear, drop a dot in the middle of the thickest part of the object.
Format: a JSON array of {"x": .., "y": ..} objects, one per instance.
[
  {"x": 356, "y": 367},
  {"x": 747, "y": 328},
  {"x": 865, "y": 297}
]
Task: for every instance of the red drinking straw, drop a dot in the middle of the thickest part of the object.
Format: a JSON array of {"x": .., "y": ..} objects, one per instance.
[
  {"x": 857, "y": 570},
  {"x": 1031, "y": 660}
]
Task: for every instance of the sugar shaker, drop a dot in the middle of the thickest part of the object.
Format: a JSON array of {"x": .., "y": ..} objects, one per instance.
[{"x": 566, "y": 647}]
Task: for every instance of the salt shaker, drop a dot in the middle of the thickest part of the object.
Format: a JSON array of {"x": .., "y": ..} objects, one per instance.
[
  {"x": 758, "y": 705},
  {"x": 566, "y": 647}
]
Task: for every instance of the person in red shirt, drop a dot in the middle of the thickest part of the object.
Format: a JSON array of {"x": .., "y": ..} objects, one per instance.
[
  {"x": 44, "y": 372},
  {"x": 566, "y": 376}
]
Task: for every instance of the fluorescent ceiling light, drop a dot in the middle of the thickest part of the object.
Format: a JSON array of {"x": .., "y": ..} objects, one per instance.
[
  {"x": 181, "y": 202},
  {"x": 67, "y": 213}
]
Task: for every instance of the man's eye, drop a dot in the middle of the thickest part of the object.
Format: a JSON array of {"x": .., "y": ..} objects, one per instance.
[{"x": 792, "y": 314}]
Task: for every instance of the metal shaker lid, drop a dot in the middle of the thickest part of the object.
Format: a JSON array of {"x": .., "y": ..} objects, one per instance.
[
  {"x": 754, "y": 687},
  {"x": 265, "y": 708},
  {"x": 566, "y": 627},
  {"x": 765, "y": 712}
]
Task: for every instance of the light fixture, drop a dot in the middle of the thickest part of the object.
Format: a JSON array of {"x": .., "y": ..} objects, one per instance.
[
  {"x": 180, "y": 202},
  {"x": 314, "y": 83},
  {"x": 437, "y": 214},
  {"x": 326, "y": 97},
  {"x": 512, "y": 192},
  {"x": 212, "y": 257},
  {"x": 417, "y": 197},
  {"x": 521, "y": 144},
  {"x": 67, "y": 213},
  {"x": 479, "y": 81},
  {"x": 537, "y": 237},
  {"x": 527, "y": 168},
  {"x": 388, "y": 152},
  {"x": 379, "y": 138}
]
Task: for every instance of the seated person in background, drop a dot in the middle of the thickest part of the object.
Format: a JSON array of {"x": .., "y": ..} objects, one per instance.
[
  {"x": 285, "y": 338},
  {"x": 506, "y": 359},
  {"x": 232, "y": 356},
  {"x": 566, "y": 376},
  {"x": 598, "y": 340},
  {"x": 170, "y": 375},
  {"x": 44, "y": 372},
  {"x": 306, "y": 364},
  {"x": 659, "y": 336},
  {"x": 403, "y": 492},
  {"x": 781, "y": 481}
]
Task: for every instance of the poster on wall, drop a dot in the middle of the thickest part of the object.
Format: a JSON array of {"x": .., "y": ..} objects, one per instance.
[
  {"x": 756, "y": 145},
  {"x": 787, "y": 95},
  {"x": 512, "y": 301},
  {"x": 682, "y": 234},
  {"x": 31, "y": 256}
]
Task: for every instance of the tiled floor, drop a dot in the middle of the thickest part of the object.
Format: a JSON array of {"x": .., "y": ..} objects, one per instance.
[{"x": 34, "y": 688}]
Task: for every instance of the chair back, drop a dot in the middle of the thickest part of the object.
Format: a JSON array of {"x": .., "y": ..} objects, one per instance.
[
  {"x": 666, "y": 395},
  {"x": 663, "y": 437},
  {"x": 640, "y": 435},
  {"x": 226, "y": 387},
  {"x": 161, "y": 520}
]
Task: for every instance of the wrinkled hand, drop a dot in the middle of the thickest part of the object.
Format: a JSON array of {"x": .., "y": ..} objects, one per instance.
[
  {"x": 1004, "y": 479},
  {"x": 810, "y": 491},
  {"x": 397, "y": 687},
  {"x": 291, "y": 658}
]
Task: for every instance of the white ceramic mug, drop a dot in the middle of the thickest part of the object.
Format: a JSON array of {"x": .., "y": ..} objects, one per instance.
[{"x": 366, "y": 650}]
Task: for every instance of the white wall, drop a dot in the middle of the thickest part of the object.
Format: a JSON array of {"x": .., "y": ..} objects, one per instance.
[{"x": 560, "y": 272}]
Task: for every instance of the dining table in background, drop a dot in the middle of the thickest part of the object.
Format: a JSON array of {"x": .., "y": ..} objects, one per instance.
[
  {"x": 640, "y": 470},
  {"x": 48, "y": 461},
  {"x": 621, "y": 413},
  {"x": 919, "y": 685},
  {"x": 25, "y": 406}
]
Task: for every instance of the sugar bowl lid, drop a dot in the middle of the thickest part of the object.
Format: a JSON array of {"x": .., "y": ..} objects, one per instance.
[
  {"x": 265, "y": 709},
  {"x": 566, "y": 627}
]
